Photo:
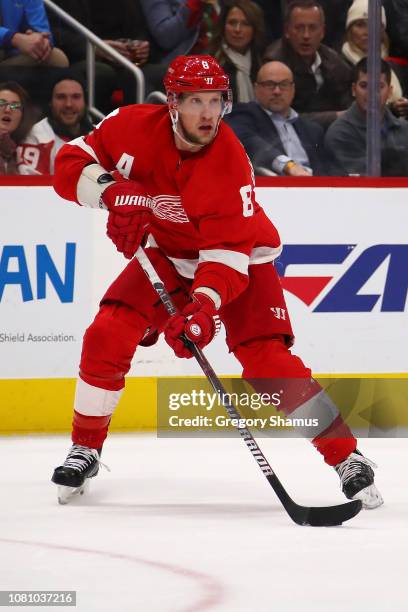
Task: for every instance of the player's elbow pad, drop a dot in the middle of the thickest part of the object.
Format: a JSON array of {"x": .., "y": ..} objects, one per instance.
[{"x": 92, "y": 183}]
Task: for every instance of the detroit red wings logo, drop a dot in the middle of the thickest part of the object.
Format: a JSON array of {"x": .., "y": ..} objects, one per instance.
[
  {"x": 169, "y": 207},
  {"x": 163, "y": 206}
]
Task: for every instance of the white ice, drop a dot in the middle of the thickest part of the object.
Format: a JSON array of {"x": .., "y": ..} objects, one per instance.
[{"x": 191, "y": 525}]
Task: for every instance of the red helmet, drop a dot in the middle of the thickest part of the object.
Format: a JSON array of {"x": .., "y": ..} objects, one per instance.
[
  {"x": 197, "y": 72},
  {"x": 194, "y": 72}
]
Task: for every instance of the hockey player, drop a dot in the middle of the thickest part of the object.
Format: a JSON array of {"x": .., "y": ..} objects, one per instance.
[{"x": 178, "y": 176}]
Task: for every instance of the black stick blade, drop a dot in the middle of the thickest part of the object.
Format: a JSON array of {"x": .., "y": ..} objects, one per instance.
[
  {"x": 302, "y": 515},
  {"x": 330, "y": 516},
  {"x": 325, "y": 516}
]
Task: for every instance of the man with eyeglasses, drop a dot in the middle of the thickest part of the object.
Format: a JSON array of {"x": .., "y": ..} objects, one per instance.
[
  {"x": 321, "y": 76},
  {"x": 276, "y": 139}
]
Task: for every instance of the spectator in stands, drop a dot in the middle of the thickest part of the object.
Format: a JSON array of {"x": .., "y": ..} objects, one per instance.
[
  {"x": 27, "y": 51},
  {"x": 276, "y": 139},
  {"x": 124, "y": 29},
  {"x": 335, "y": 19},
  {"x": 397, "y": 28},
  {"x": 67, "y": 118},
  {"x": 238, "y": 45},
  {"x": 181, "y": 27},
  {"x": 356, "y": 47},
  {"x": 322, "y": 77},
  {"x": 346, "y": 138},
  {"x": 14, "y": 124},
  {"x": 25, "y": 36}
]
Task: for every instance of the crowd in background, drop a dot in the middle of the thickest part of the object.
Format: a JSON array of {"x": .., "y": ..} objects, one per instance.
[{"x": 297, "y": 68}]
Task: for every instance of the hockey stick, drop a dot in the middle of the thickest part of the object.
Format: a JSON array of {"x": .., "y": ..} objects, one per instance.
[{"x": 324, "y": 516}]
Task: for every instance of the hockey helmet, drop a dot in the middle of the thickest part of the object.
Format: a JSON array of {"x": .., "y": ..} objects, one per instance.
[{"x": 197, "y": 73}]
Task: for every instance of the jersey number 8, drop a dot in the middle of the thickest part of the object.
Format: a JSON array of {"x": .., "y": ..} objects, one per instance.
[{"x": 247, "y": 205}]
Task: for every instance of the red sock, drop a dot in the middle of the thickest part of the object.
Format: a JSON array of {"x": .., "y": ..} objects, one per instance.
[
  {"x": 89, "y": 431},
  {"x": 336, "y": 442}
]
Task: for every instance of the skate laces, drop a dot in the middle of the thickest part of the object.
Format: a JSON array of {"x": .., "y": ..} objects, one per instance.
[
  {"x": 81, "y": 457},
  {"x": 351, "y": 466}
]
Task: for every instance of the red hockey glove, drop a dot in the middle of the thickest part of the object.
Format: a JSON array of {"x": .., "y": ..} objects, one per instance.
[
  {"x": 129, "y": 215},
  {"x": 198, "y": 321}
]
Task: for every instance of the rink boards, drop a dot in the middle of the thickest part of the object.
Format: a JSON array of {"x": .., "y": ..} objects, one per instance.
[{"x": 344, "y": 268}]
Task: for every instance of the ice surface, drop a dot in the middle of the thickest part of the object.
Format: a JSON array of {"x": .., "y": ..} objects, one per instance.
[{"x": 183, "y": 525}]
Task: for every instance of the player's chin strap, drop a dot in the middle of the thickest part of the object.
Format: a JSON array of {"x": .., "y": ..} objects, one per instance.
[{"x": 174, "y": 116}]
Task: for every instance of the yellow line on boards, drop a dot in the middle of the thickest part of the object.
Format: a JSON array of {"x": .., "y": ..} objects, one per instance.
[{"x": 46, "y": 405}]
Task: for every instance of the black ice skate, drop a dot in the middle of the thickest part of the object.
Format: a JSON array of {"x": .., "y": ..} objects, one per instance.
[
  {"x": 357, "y": 480},
  {"x": 72, "y": 478}
]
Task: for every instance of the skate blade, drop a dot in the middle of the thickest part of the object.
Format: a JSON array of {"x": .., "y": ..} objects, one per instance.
[
  {"x": 67, "y": 494},
  {"x": 370, "y": 497}
]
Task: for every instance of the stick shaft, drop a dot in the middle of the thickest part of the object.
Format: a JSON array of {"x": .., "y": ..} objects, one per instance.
[
  {"x": 204, "y": 364},
  {"x": 302, "y": 515}
]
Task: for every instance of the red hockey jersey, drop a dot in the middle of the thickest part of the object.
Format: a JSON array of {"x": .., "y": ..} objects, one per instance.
[
  {"x": 36, "y": 155},
  {"x": 205, "y": 217}
]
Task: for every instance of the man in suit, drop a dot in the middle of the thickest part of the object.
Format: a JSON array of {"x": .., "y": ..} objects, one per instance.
[{"x": 274, "y": 136}]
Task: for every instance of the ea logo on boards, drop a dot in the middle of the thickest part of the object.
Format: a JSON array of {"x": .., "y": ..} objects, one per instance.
[
  {"x": 32, "y": 279},
  {"x": 353, "y": 269}
]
